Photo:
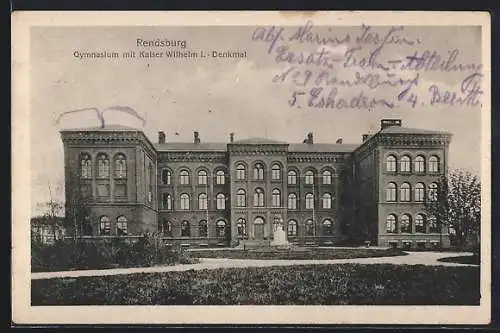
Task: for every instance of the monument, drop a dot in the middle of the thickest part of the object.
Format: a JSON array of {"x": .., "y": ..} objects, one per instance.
[{"x": 279, "y": 236}]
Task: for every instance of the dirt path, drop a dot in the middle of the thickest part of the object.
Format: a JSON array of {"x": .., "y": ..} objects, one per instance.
[{"x": 413, "y": 258}]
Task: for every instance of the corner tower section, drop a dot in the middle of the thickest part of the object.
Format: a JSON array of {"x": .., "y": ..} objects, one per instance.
[
  {"x": 396, "y": 171},
  {"x": 110, "y": 181}
]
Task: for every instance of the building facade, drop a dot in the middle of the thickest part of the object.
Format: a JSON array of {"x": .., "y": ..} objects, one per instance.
[{"x": 233, "y": 193}]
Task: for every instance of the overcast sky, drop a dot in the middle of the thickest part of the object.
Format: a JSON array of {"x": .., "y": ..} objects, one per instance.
[{"x": 177, "y": 95}]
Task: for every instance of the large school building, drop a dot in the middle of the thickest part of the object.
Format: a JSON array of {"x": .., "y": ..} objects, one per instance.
[{"x": 231, "y": 193}]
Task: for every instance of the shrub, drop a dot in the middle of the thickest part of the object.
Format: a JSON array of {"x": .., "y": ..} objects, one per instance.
[{"x": 103, "y": 254}]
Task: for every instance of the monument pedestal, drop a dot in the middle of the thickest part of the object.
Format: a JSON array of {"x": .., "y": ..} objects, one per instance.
[{"x": 279, "y": 238}]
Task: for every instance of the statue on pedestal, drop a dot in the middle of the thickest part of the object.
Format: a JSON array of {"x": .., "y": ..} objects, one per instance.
[{"x": 279, "y": 235}]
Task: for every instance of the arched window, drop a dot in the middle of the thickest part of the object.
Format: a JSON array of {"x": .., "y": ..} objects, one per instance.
[
  {"x": 203, "y": 228},
  {"x": 405, "y": 223},
  {"x": 240, "y": 172},
  {"x": 276, "y": 198},
  {"x": 184, "y": 177},
  {"x": 292, "y": 201},
  {"x": 104, "y": 226},
  {"x": 327, "y": 177},
  {"x": 184, "y": 201},
  {"x": 167, "y": 201},
  {"x": 404, "y": 192},
  {"x": 390, "y": 224},
  {"x": 327, "y": 201},
  {"x": 220, "y": 227},
  {"x": 276, "y": 172},
  {"x": 102, "y": 166},
  {"x": 220, "y": 177},
  {"x": 292, "y": 228},
  {"x": 433, "y": 164},
  {"x": 221, "y": 201},
  {"x": 391, "y": 163},
  {"x": 166, "y": 228},
  {"x": 309, "y": 177},
  {"x": 202, "y": 201},
  {"x": 241, "y": 226},
  {"x": 258, "y": 220},
  {"x": 309, "y": 201},
  {"x": 433, "y": 192},
  {"x": 86, "y": 166},
  {"x": 327, "y": 228},
  {"x": 419, "y": 164},
  {"x": 185, "y": 229},
  {"x": 258, "y": 172},
  {"x": 419, "y": 223},
  {"x": 292, "y": 177},
  {"x": 166, "y": 176},
  {"x": 405, "y": 164},
  {"x": 433, "y": 225},
  {"x": 241, "y": 198},
  {"x": 202, "y": 177},
  {"x": 390, "y": 192},
  {"x": 121, "y": 226},
  {"x": 258, "y": 198},
  {"x": 419, "y": 192},
  {"x": 120, "y": 166},
  {"x": 309, "y": 228}
]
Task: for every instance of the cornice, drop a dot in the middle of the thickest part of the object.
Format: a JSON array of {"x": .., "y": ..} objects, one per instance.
[
  {"x": 211, "y": 157},
  {"x": 308, "y": 157},
  {"x": 258, "y": 149},
  {"x": 401, "y": 140}
]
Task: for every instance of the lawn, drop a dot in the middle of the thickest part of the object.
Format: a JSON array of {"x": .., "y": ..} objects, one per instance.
[
  {"x": 298, "y": 254},
  {"x": 346, "y": 284},
  {"x": 468, "y": 259}
]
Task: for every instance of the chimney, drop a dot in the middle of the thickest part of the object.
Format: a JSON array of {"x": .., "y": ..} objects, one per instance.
[
  {"x": 384, "y": 123},
  {"x": 309, "y": 139},
  {"x": 231, "y": 137},
  {"x": 196, "y": 137},
  {"x": 339, "y": 141},
  {"x": 161, "y": 137}
]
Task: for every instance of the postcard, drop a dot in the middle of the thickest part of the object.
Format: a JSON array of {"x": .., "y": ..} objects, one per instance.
[{"x": 251, "y": 167}]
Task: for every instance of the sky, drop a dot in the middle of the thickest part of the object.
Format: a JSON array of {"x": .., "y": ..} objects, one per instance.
[{"x": 219, "y": 96}]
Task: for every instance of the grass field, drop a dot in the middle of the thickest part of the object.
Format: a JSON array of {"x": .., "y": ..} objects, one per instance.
[
  {"x": 302, "y": 254},
  {"x": 346, "y": 284},
  {"x": 468, "y": 259}
]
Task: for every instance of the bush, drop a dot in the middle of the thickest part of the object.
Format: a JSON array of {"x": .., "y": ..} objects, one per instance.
[
  {"x": 346, "y": 284},
  {"x": 103, "y": 254}
]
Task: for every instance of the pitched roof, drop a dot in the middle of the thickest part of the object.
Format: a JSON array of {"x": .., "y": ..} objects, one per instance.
[
  {"x": 260, "y": 141},
  {"x": 190, "y": 146},
  {"x": 407, "y": 130},
  {"x": 323, "y": 147},
  {"x": 107, "y": 128}
]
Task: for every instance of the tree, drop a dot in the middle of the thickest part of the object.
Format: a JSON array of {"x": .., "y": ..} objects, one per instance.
[
  {"x": 456, "y": 204},
  {"x": 78, "y": 212},
  {"x": 51, "y": 220}
]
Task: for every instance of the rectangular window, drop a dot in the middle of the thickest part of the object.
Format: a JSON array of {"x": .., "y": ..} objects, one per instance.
[{"x": 391, "y": 194}]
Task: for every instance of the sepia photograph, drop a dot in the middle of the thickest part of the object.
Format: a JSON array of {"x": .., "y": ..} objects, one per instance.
[{"x": 299, "y": 167}]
